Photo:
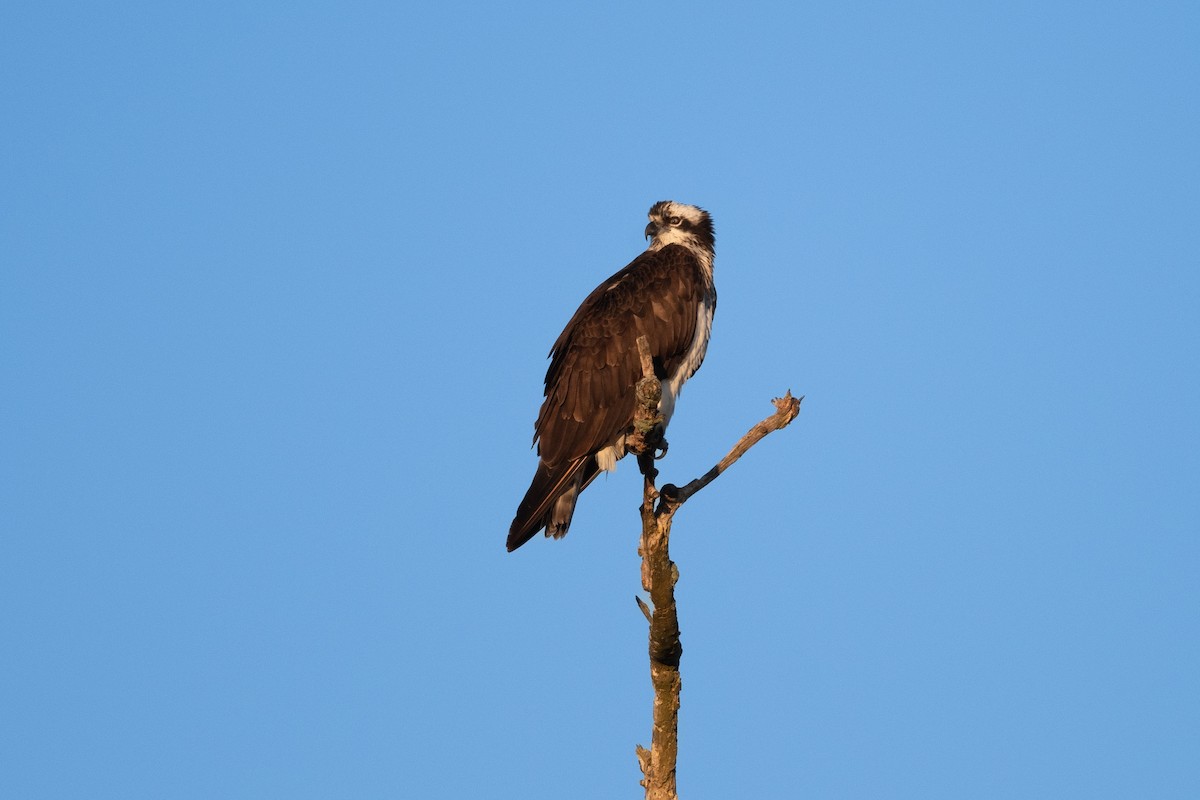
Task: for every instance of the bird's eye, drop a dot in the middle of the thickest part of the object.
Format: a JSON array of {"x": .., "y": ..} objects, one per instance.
[{"x": 674, "y": 220}]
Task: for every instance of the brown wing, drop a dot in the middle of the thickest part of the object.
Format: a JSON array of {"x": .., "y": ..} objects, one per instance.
[{"x": 594, "y": 365}]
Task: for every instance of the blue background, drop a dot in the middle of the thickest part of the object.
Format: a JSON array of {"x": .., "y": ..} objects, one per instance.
[{"x": 276, "y": 283}]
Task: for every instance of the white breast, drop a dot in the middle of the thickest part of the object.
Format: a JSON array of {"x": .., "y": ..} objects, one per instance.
[{"x": 673, "y": 385}]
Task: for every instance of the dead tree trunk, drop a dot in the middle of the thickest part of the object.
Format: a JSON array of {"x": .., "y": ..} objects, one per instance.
[{"x": 659, "y": 573}]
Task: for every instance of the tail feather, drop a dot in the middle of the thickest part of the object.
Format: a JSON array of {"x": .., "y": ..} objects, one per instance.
[{"x": 550, "y": 501}]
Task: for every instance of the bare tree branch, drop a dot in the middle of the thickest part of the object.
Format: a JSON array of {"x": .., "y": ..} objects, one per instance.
[
  {"x": 786, "y": 409},
  {"x": 647, "y": 422},
  {"x": 659, "y": 573}
]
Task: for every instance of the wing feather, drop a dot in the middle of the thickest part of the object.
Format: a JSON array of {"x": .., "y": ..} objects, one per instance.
[{"x": 594, "y": 364}]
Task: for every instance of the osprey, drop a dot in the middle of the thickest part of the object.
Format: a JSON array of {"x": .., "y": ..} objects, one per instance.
[{"x": 666, "y": 293}]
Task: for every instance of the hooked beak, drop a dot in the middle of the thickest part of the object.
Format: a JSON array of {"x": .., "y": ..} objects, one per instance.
[{"x": 651, "y": 230}]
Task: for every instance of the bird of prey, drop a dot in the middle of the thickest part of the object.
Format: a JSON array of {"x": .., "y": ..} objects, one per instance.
[{"x": 666, "y": 293}]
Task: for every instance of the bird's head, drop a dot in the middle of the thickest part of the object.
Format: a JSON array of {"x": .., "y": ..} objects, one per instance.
[{"x": 679, "y": 223}]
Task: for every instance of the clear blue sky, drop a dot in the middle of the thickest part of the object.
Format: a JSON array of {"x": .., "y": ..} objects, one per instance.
[{"x": 276, "y": 286}]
